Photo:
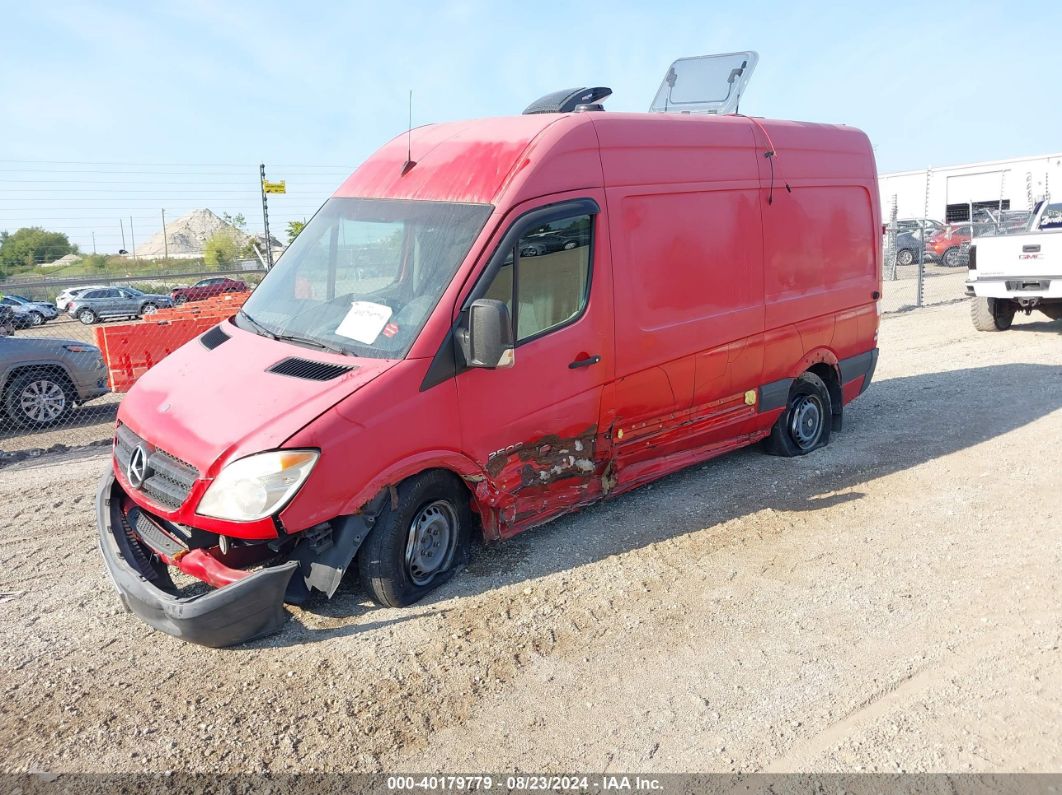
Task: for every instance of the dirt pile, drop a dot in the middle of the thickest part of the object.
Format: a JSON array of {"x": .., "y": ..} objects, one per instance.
[{"x": 187, "y": 236}]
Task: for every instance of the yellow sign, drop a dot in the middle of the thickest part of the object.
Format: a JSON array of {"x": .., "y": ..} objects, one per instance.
[{"x": 275, "y": 187}]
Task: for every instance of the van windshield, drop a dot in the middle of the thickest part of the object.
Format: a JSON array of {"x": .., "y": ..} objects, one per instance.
[{"x": 364, "y": 275}]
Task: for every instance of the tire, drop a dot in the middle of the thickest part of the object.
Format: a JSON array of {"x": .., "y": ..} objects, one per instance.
[
  {"x": 87, "y": 316},
  {"x": 180, "y": 300},
  {"x": 905, "y": 256},
  {"x": 805, "y": 424},
  {"x": 393, "y": 571},
  {"x": 952, "y": 258},
  {"x": 992, "y": 314},
  {"x": 148, "y": 309},
  {"x": 39, "y": 399},
  {"x": 36, "y": 319}
]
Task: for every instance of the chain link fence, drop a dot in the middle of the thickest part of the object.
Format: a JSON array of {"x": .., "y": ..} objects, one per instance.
[
  {"x": 933, "y": 216},
  {"x": 71, "y": 348}
]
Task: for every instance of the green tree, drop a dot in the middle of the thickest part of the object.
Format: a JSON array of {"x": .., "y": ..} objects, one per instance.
[
  {"x": 31, "y": 246},
  {"x": 221, "y": 249},
  {"x": 294, "y": 227},
  {"x": 237, "y": 220}
]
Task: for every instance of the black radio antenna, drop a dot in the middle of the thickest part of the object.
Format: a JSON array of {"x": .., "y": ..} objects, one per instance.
[{"x": 410, "y": 162}]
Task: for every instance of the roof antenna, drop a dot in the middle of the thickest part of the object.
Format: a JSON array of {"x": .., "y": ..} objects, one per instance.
[{"x": 410, "y": 162}]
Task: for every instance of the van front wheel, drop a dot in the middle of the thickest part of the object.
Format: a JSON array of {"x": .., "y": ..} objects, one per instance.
[
  {"x": 805, "y": 424},
  {"x": 416, "y": 546}
]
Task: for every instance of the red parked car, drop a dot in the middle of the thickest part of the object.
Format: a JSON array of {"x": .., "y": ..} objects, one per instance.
[
  {"x": 207, "y": 288},
  {"x": 406, "y": 376},
  {"x": 947, "y": 245}
]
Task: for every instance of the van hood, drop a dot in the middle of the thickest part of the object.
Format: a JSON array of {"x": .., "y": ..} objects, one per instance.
[{"x": 208, "y": 406}]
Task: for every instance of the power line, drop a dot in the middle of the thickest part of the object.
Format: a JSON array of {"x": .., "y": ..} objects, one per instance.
[
  {"x": 191, "y": 180},
  {"x": 138, "y": 163}
]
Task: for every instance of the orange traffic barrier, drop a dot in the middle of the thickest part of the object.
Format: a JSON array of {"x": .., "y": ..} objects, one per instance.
[{"x": 131, "y": 349}]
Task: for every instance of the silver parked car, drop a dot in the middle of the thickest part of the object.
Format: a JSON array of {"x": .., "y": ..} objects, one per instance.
[
  {"x": 106, "y": 302},
  {"x": 30, "y": 313},
  {"x": 62, "y": 301},
  {"x": 42, "y": 379}
]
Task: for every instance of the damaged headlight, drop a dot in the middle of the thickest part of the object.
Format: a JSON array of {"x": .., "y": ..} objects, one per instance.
[{"x": 254, "y": 487}]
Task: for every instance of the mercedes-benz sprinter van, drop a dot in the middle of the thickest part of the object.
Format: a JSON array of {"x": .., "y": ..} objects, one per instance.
[{"x": 490, "y": 324}]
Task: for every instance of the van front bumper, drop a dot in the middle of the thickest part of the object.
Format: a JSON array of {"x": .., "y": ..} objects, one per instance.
[{"x": 246, "y": 609}]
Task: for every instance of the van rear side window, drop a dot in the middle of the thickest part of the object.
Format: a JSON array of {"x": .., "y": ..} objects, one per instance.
[{"x": 552, "y": 264}]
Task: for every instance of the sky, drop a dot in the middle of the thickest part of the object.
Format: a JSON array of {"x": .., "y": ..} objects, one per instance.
[{"x": 115, "y": 110}]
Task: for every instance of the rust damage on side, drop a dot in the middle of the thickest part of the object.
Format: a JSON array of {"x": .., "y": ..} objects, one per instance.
[{"x": 534, "y": 481}]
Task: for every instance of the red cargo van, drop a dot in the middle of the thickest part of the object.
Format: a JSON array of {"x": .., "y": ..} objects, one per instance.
[{"x": 492, "y": 323}]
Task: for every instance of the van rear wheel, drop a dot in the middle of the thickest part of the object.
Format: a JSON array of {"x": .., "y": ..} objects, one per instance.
[
  {"x": 805, "y": 424},
  {"x": 415, "y": 547}
]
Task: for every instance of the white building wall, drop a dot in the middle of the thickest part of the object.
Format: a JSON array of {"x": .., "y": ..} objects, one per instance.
[{"x": 1021, "y": 180}]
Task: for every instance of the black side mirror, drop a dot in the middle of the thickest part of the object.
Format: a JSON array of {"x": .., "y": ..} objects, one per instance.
[{"x": 488, "y": 342}]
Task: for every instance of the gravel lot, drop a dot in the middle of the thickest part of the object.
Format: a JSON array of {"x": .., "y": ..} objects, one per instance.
[{"x": 890, "y": 603}]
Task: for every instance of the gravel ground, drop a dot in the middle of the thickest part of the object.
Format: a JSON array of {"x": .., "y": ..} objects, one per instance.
[{"x": 889, "y": 603}]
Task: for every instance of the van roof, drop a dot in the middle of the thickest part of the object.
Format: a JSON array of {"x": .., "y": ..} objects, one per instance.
[{"x": 475, "y": 161}]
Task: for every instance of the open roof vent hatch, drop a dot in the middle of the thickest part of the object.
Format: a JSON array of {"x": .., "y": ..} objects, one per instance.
[
  {"x": 705, "y": 84},
  {"x": 700, "y": 84}
]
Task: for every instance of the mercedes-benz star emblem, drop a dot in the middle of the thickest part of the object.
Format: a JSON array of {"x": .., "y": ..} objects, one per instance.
[{"x": 137, "y": 470}]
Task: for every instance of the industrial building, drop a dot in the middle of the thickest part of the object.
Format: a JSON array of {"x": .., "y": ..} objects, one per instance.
[{"x": 952, "y": 193}]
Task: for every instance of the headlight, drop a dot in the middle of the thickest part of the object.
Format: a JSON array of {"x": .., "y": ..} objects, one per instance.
[{"x": 254, "y": 487}]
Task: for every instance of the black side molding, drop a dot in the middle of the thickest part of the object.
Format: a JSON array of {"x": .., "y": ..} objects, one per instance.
[
  {"x": 862, "y": 365},
  {"x": 774, "y": 395}
]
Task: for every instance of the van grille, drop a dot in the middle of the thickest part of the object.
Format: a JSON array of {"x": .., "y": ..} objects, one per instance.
[
  {"x": 310, "y": 370},
  {"x": 169, "y": 479}
]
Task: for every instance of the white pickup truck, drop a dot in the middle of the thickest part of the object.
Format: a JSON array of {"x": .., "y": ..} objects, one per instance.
[{"x": 1018, "y": 271}]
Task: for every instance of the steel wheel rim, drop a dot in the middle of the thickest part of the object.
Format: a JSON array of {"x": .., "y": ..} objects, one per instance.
[
  {"x": 36, "y": 319},
  {"x": 149, "y": 309},
  {"x": 805, "y": 421},
  {"x": 429, "y": 545},
  {"x": 42, "y": 401},
  {"x": 86, "y": 317}
]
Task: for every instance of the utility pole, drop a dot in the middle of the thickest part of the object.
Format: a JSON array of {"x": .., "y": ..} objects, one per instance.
[
  {"x": 165, "y": 240},
  {"x": 122, "y": 227},
  {"x": 93, "y": 242},
  {"x": 265, "y": 216},
  {"x": 132, "y": 238}
]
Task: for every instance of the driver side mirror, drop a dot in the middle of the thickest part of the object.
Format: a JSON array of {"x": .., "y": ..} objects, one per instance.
[{"x": 488, "y": 340}]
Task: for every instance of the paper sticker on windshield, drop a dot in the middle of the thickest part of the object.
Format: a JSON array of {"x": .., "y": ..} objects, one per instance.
[{"x": 364, "y": 321}]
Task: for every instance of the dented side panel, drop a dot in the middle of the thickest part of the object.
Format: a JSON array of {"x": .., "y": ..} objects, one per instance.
[{"x": 535, "y": 428}]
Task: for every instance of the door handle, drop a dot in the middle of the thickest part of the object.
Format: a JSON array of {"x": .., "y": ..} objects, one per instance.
[{"x": 587, "y": 362}]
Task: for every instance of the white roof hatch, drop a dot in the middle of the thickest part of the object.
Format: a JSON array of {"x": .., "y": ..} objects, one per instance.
[{"x": 705, "y": 83}]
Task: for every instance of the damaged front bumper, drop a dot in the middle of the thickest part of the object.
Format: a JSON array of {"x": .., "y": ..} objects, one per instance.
[{"x": 248, "y": 608}]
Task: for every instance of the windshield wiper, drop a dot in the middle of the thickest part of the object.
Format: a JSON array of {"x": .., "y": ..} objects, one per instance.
[
  {"x": 312, "y": 342},
  {"x": 261, "y": 330},
  {"x": 294, "y": 338}
]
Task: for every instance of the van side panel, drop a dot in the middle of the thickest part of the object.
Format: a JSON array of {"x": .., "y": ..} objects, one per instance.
[
  {"x": 688, "y": 273},
  {"x": 818, "y": 255},
  {"x": 822, "y": 247}
]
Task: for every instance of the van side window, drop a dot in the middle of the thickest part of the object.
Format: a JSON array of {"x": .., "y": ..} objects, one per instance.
[{"x": 552, "y": 267}]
